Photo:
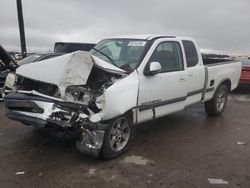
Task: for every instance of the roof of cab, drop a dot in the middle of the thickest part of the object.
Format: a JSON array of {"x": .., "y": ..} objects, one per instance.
[{"x": 142, "y": 37}]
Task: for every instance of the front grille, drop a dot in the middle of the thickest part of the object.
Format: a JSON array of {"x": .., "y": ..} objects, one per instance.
[
  {"x": 27, "y": 84},
  {"x": 27, "y": 109}
]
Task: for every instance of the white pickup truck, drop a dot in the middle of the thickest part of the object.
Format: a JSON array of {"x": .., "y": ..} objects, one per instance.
[{"x": 100, "y": 95}]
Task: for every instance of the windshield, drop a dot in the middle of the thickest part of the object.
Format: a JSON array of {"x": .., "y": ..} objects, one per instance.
[
  {"x": 123, "y": 53},
  {"x": 29, "y": 59}
]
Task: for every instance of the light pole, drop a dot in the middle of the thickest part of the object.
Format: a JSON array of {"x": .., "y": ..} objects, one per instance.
[{"x": 21, "y": 27}]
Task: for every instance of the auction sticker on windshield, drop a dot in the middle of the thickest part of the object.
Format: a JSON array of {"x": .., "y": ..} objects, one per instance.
[{"x": 136, "y": 43}]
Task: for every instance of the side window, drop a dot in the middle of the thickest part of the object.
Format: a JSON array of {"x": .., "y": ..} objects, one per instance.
[
  {"x": 169, "y": 55},
  {"x": 191, "y": 53}
]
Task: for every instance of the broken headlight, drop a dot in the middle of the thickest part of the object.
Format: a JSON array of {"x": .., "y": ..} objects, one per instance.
[
  {"x": 10, "y": 80},
  {"x": 78, "y": 93}
]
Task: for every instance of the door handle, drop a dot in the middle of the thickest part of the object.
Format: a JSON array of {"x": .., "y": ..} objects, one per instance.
[
  {"x": 182, "y": 80},
  {"x": 190, "y": 75}
]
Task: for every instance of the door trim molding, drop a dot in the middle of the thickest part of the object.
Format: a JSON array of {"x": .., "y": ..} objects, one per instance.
[
  {"x": 161, "y": 103},
  {"x": 179, "y": 99}
]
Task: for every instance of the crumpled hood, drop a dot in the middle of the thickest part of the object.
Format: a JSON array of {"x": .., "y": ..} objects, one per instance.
[{"x": 66, "y": 70}]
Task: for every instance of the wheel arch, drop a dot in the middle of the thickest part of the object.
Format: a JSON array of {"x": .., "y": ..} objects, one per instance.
[{"x": 225, "y": 81}]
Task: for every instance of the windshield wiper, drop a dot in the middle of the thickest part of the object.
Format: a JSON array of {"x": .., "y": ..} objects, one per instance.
[{"x": 110, "y": 59}]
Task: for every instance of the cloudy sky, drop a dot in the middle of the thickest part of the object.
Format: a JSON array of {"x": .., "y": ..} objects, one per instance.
[{"x": 221, "y": 25}]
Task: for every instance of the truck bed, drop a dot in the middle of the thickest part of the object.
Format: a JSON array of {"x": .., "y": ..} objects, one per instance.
[{"x": 217, "y": 72}]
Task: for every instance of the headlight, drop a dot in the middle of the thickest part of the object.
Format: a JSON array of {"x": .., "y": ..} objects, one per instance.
[{"x": 10, "y": 80}]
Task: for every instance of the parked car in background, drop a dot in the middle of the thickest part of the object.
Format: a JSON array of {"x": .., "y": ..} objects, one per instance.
[
  {"x": 67, "y": 47},
  {"x": 245, "y": 72},
  {"x": 100, "y": 95}
]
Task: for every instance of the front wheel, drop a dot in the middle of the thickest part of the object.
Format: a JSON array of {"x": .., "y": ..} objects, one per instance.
[
  {"x": 117, "y": 137},
  {"x": 217, "y": 105}
]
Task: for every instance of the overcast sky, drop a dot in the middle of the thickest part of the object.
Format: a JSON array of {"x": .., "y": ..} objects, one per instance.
[{"x": 222, "y": 25}]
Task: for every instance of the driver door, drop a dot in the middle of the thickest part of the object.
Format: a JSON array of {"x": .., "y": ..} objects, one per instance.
[{"x": 165, "y": 92}]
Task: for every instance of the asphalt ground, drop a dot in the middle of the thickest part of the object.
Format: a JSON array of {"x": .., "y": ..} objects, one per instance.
[{"x": 180, "y": 150}]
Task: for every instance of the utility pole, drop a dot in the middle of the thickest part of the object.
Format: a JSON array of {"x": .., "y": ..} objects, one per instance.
[{"x": 21, "y": 27}]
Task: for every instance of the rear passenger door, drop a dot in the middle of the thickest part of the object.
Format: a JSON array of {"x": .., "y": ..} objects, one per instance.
[{"x": 195, "y": 73}]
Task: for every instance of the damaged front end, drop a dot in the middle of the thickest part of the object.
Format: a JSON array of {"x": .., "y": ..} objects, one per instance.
[{"x": 66, "y": 94}]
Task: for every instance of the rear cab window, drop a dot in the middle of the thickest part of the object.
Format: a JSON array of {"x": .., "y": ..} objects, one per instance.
[{"x": 190, "y": 53}]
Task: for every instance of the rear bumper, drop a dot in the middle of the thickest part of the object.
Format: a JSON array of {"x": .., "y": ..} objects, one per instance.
[{"x": 42, "y": 112}]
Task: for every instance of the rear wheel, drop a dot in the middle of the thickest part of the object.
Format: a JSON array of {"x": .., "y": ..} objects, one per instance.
[
  {"x": 117, "y": 137},
  {"x": 217, "y": 105}
]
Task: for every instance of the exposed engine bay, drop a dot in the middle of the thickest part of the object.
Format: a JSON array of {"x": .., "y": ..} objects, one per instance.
[{"x": 97, "y": 82}]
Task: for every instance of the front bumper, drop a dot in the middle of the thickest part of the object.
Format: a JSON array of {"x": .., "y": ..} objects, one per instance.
[
  {"x": 42, "y": 112},
  {"x": 3, "y": 92},
  {"x": 37, "y": 111}
]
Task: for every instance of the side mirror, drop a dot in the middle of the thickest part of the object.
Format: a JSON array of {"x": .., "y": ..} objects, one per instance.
[{"x": 154, "y": 68}]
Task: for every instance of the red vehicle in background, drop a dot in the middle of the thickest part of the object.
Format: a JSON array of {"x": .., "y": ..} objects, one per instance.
[{"x": 245, "y": 72}]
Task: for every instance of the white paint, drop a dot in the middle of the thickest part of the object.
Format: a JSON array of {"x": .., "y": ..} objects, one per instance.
[
  {"x": 195, "y": 77},
  {"x": 63, "y": 71},
  {"x": 172, "y": 85},
  {"x": 218, "y": 73},
  {"x": 66, "y": 70},
  {"x": 135, "y": 89},
  {"x": 120, "y": 97}
]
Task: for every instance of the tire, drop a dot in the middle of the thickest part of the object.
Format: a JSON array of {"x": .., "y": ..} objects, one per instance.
[
  {"x": 217, "y": 105},
  {"x": 117, "y": 138}
]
